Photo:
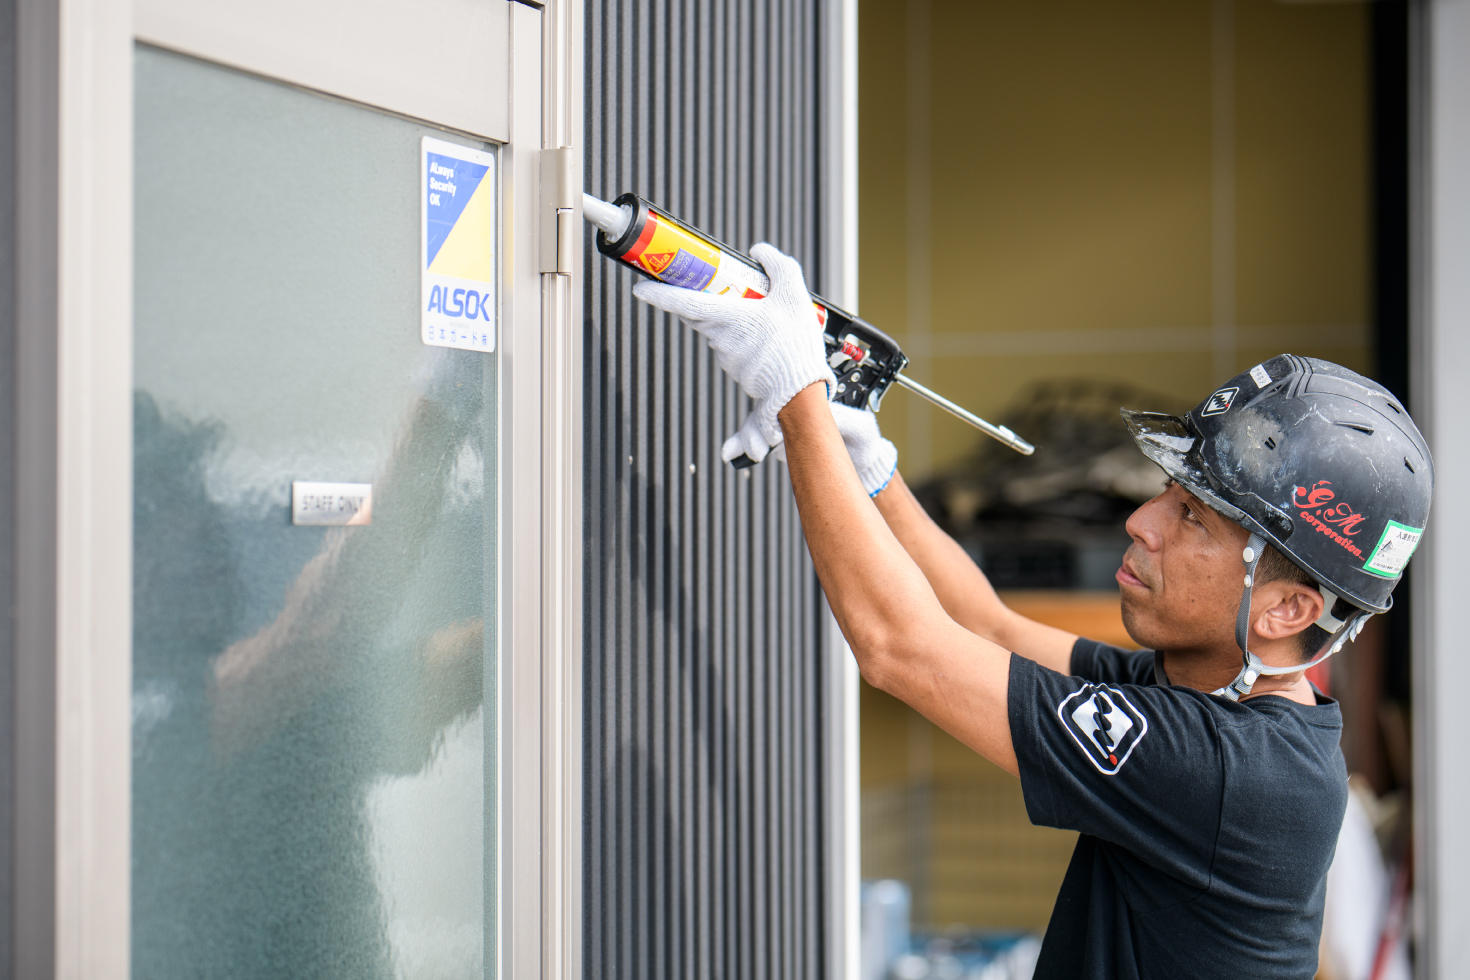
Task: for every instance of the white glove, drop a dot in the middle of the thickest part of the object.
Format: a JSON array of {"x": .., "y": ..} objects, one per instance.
[
  {"x": 874, "y": 457},
  {"x": 772, "y": 347},
  {"x": 749, "y": 441}
]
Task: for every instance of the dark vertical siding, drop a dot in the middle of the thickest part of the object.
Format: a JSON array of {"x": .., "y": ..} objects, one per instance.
[{"x": 704, "y": 840}]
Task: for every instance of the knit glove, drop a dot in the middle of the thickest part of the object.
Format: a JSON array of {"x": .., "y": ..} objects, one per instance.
[
  {"x": 748, "y": 440},
  {"x": 772, "y": 346},
  {"x": 874, "y": 458}
]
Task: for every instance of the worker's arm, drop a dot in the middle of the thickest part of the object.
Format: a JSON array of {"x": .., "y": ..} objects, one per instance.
[
  {"x": 904, "y": 640},
  {"x": 962, "y": 588}
]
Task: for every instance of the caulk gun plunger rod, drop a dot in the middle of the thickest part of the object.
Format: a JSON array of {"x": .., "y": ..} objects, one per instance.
[
  {"x": 997, "y": 432},
  {"x": 611, "y": 218}
]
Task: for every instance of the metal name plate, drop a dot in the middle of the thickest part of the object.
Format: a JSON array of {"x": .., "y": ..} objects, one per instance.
[{"x": 317, "y": 504}]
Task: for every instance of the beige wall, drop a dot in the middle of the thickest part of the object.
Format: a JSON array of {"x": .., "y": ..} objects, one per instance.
[
  {"x": 1080, "y": 170},
  {"x": 1139, "y": 190}
]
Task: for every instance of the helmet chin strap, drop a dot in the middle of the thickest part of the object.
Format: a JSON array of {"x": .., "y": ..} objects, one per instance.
[{"x": 1342, "y": 631}]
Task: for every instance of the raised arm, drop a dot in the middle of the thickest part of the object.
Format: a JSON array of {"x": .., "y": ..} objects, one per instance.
[
  {"x": 904, "y": 640},
  {"x": 962, "y": 588}
]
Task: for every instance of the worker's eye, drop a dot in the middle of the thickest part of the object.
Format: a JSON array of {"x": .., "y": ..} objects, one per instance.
[{"x": 1188, "y": 515}]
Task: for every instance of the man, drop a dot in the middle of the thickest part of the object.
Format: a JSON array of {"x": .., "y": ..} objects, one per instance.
[{"x": 1205, "y": 778}]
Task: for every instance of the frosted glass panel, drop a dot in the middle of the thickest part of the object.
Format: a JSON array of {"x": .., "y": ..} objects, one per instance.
[{"x": 313, "y": 716}]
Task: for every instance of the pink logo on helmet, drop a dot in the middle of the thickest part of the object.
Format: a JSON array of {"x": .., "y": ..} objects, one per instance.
[{"x": 1336, "y": 521}]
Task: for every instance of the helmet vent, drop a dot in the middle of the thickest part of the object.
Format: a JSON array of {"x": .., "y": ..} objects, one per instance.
[
  {"x": 1270, "y": 442},
  {"x": 1360, "y": 426},
  {"x": 1409, "y": 464}
]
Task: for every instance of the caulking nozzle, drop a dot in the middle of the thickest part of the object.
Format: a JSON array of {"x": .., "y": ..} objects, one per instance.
[{"x": 611, "y": 218}]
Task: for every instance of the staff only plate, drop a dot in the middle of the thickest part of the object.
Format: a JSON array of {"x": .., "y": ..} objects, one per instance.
[{"x": 458, "y": 246}]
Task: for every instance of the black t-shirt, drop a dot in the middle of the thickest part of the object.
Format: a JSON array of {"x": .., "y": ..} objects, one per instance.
[{"x": 1207, "y": 825}]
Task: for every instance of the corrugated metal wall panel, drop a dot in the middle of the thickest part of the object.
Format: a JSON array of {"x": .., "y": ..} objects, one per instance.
[{"x": 705, "y": 823}]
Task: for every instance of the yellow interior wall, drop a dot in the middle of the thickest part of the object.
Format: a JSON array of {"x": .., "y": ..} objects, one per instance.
[{"x": 1072, "y": 179}]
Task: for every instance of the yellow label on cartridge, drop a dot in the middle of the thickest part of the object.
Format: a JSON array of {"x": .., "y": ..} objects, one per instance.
[
  {"x": 673, "y": 255},
  {"x": 680, "y": 257}
]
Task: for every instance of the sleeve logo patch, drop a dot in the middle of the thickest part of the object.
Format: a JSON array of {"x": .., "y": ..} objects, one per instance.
[{"x": 1104, "y": 724}]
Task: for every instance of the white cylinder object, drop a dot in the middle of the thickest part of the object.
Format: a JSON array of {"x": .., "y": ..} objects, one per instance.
[{"x": 611, "y": 218}]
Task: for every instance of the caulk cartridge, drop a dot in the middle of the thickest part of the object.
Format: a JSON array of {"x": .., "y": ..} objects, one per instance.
[{"x": 865, "y": 359}]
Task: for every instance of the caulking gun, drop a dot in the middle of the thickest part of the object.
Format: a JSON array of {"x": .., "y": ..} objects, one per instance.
[{"x": 865, "y": 359}]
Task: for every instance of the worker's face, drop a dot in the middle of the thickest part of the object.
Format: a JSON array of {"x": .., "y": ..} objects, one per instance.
[{"x": 1181, "y": 578}]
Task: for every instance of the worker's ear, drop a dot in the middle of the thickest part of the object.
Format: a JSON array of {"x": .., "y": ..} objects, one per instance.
[{"x": 1284, "y": 609}]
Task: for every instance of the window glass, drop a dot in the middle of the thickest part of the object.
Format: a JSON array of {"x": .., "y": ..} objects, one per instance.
[{"x": 313, "y": 713}]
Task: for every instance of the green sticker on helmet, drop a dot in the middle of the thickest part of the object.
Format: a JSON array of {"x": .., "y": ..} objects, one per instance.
[{"x": 1393, "y": 551}]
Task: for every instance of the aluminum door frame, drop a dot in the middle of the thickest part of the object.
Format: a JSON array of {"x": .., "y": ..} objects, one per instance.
[
  {"x": 72, "y": 371},
  {"x": 1439, "y": 249},
  {"x": 844, "y": 768}
]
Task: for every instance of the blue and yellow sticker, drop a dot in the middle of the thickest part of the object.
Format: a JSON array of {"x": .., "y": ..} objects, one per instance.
[{"x": 458, "y": 238}]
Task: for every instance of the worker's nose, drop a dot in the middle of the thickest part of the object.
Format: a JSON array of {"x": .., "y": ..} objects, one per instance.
[{"x": 1143, "y": 523}]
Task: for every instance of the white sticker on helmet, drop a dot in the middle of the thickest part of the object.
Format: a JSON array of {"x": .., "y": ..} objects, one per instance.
[
  {"x": 1259, "y": 376},
  {"x": 1394, "y": 549}
]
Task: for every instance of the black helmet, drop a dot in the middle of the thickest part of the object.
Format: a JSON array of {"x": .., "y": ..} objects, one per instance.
[{"x": 1315, "y": 459}]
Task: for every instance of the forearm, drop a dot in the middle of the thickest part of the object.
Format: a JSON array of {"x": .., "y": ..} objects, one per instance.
[
  {"x": 960, "y": 586},
  {"x": 904, "y": 640}
]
